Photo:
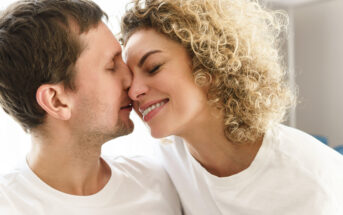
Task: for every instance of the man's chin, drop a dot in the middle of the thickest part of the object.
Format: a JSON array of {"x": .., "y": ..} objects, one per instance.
[
  {"x": 123, "y": 128},
  {"x": 129, "y": 127}
]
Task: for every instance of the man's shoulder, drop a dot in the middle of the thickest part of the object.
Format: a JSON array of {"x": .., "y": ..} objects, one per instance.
[
  {"x": 5, "y": 207},
  {"x": 136, "y": 165},
  {"x": 11, "y": 182},
  {"x": 144, "y": 176},
  {"x": 8, "y": 187},
  {"x": 10, "y": 178},
  {"x": 142, "y": 172}
]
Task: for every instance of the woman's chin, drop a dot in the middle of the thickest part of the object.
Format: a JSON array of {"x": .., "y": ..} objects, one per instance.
[{"x": 158, "y": 133}]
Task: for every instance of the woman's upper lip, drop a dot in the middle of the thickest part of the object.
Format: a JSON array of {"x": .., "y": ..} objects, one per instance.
[{"x": 148, "y": 104}]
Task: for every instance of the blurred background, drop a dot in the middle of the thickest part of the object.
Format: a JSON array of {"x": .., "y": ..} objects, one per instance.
[{"x": 313, "y": 52}]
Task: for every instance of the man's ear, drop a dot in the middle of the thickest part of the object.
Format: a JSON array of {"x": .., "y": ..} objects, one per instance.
[{"x": 54, "y": 99}]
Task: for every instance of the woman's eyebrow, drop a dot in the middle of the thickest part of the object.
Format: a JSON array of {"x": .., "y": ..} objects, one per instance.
[{"x": 142, "y": 60}]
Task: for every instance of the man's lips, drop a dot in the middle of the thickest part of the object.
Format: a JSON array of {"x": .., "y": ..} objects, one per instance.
[{"x": 129, "y": 106}]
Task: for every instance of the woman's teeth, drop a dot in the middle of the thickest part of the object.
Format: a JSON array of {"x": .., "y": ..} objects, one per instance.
[{"x": 149, "y": 109}]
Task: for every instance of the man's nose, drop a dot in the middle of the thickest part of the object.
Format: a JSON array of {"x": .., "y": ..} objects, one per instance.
[
  {"x": 138, "y": 88},
  {"x": 127, "y": 77}
]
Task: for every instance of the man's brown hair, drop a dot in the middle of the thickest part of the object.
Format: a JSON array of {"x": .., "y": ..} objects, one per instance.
[{"x": 39, "y": 44}]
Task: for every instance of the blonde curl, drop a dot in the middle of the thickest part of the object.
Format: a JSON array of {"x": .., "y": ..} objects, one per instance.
[{"x": 234, "y": 47}]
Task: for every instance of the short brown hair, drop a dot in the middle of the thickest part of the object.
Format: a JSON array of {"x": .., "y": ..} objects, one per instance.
[
  {"x": 233, "y": 45},
  {"x": 38, "y": 46}
]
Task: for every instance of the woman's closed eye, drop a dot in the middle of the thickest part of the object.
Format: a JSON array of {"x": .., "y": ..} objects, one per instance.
[{"x": 155, "y": 69}]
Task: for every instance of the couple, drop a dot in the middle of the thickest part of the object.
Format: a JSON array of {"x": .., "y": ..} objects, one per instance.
[{"x": 205, "y": 71}]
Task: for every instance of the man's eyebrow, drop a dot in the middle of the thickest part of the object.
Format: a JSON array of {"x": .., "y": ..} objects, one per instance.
[
  {"x": 117, "y": 54},
  {"x": 142, "y": 60},
  {"x": 114, "y": 56}
]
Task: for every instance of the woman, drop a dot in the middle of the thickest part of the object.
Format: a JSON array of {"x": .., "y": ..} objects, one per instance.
[{"x": 209, "y": 73}]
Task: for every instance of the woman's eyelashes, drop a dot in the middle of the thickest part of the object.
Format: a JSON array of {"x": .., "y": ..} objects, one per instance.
[{"x": 154, "y": 69}]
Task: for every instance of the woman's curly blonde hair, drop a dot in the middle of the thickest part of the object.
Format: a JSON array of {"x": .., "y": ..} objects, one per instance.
[{"x": 234, "y": 47}]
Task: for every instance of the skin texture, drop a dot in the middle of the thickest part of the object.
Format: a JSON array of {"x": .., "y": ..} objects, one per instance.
[
  {"x": 66, "y": 149},
  {"x": 102, "y": 75},
  {"x": 233, "y": 47},
  {"x": 166, "y": 74},
  {"x": 172, "y": 80}
]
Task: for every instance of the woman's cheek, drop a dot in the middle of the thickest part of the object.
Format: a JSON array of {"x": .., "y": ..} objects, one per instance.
[{"x": 136, "y": 108}]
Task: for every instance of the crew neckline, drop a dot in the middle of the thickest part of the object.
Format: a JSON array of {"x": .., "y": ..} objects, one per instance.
[
  {"x": 259, "y": 163},
  {"x": 95, "y": 200}
]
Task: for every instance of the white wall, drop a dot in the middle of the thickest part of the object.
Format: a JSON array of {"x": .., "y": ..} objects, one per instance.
[{"x": 318, "y": 66}]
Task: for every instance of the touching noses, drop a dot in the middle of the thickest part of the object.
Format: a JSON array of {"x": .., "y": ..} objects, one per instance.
[
  {"x": 126, "y": 77},
  {"x": 138, "y": 88}
]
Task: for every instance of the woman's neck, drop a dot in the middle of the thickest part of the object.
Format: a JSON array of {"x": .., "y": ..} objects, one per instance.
[{"x": 208, "y": 144}]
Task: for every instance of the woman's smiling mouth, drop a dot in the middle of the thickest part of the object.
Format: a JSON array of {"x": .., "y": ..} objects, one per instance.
[{"x": 150, "y": 110}]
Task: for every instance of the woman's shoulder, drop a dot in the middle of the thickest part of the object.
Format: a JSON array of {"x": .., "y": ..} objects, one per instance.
[
  {"x": 303, "y": 151},
  {"x": 294, "y": 141}
]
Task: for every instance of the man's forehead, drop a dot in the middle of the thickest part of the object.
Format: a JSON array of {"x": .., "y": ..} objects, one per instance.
[{"x": 101, "y": 40}]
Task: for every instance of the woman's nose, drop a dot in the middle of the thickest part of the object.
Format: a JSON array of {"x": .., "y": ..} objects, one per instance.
[{"x": 138, "y": 88}]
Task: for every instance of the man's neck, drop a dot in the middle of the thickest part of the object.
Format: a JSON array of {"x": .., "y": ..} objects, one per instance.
[{"x": 68, "y": 165}]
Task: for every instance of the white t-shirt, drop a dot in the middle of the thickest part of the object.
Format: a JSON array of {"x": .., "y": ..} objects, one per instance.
[
  {"x": 137, "y": 186},
  {"x": 292, "y": 174}
]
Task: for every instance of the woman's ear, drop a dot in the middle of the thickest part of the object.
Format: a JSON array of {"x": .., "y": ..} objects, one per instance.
[{"x": 54, "y": 100}]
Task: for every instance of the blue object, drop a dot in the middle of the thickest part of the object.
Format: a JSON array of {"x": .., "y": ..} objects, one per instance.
[
  {"x": 321, "y": 139},
  {"x": 339, "y": 149}
]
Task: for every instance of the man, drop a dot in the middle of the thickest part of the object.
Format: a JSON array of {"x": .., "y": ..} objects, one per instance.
[{"x": 63, "y": 79}]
